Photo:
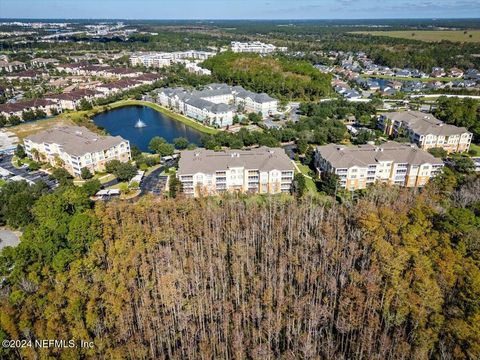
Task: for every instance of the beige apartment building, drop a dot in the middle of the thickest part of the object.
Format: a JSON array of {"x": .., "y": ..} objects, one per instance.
[
  {"x": 391, "y": 163},
  {"x": 207, "y": 172},
  {"x": 426, "y": 131},
  {"x": 75, "y": 147}
]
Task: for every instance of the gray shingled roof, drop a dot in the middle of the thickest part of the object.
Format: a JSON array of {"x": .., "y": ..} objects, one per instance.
[
  {"x": 209, "y": 161},
  {"x": 422, "y": 123},
  {"x": 76, "y": 140},
  {"x": 341, "y": 156}
]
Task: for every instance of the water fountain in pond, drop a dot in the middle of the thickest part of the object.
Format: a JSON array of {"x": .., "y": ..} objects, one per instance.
[{"x": 140, "y": 124}]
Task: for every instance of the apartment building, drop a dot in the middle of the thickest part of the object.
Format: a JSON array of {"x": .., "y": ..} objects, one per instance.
[
  {"x": 217, "y": 103},
  {"x": 256, "y": 103},
  {"x": 163, "y": 59},
  {"x": 73, "y": 99},
  {"x": 426, "y": 131},
  {"x": 255, "y": 47},
  {"x": 391, "y": 163},
  {"x": 75, "y": 147},
  {"x": 18, "y": 108},
  {"x": 207, "y": 172}
]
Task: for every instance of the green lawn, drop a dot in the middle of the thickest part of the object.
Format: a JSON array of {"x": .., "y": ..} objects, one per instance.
[
  {"x": 476, "y": 148},
  {"x": 471, "y": 36},
  {"x": 312, "y": 188}
]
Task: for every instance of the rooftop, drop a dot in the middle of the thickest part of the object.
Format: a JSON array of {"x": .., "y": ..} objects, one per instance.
[
  {"x": 423, "y": 123},
  {"x": 76, "y": 140},
  {"x": 341, "y": 156},
  {"x": 209, "y": 161}
]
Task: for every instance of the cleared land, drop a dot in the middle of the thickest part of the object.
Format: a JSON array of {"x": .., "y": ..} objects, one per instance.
[
  {"x": 25, "y": 129},
  {"x": 429, "y": 35}
]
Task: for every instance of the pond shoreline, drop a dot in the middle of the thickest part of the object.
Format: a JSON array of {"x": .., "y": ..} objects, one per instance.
[
  {"x": 189, "y": 122},
  {"x": 120, "y": 120}
]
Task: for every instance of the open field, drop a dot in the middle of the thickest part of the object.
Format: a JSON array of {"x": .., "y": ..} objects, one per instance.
[
  {"x": 429, "y": 35},
  {"x": 25, "y": 129}
]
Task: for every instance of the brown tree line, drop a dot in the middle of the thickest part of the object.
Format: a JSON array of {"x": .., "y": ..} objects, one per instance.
[{"x": 393, "y": 276}]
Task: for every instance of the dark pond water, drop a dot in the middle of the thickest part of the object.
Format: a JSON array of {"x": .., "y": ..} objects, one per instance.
[{"x": 122, "y": 122}]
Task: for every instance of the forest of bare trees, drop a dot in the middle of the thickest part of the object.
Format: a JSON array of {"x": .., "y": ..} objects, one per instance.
[{"x": 393, "y": 276}]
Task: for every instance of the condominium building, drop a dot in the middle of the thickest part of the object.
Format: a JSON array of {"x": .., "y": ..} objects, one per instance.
[
  {"x": 207, "y": 172},
  {"x": 392, "y": 163},
  {"x": 216, "y": 104},
  {"x": 75, "y": 147},
  {"x": 255, "y": 47},
  {"x": 426, "y": 131},
  {"x": 163, "y": 59}
]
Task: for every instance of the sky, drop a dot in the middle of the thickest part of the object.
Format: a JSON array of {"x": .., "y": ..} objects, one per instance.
[{"x": 239, "y": 9}]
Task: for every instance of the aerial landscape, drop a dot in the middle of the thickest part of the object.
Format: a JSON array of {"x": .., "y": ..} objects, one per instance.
[{"x": 219, "y": 179}]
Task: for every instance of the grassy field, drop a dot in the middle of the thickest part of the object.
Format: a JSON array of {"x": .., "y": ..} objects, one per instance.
[
  {"x": 429, "y": 35},
  {"x": 26, "y": 129}
]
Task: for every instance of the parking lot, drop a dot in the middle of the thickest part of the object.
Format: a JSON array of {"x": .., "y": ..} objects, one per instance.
[
  {"x": 34, "y": 176},
  {"x": 155, "y": 183}
]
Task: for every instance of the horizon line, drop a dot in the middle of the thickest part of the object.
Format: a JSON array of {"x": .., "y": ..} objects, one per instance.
[{"x": 243, "y": 19}]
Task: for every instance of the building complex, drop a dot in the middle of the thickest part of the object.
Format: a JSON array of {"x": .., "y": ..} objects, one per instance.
[
  {"x": 216, "y": 104},
  {"x": 392, "y": 163},
  {"x": 426, "y": 131},
  {"x": 74, "y": 148},
  {"x": 163, "y": 59},
  {"x": 255, "y": 47},
  {"x": 207, "y": 172}
]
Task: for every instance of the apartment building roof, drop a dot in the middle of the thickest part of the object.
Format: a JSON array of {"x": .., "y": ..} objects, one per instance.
[
  {"x": 212, "y": 92},
  {"x": 258, "y": 98},
  {"x": 340, "y": 156},
  {"x": 75, "y": 140},
  {"x": 24, "y": 105},
  {"x": 209, "y": 161},
  {"x": 73, "y": 95},
  {"x": 424, "y": 124},
  {"x": 200, "y": 103}
]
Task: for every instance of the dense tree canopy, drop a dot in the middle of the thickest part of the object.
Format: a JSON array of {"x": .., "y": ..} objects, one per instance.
[{"x": 280, "y": 77}]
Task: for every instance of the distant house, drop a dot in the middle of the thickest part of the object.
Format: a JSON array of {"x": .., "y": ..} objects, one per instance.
[
  {"x": 472, "y": 74},
  {"x": 12, "y": 66},
  {"x": 438, "y": 72},
  {"x": 41, "y": 62},
  {"x": 455, "y": 72},
  {"x": 403, "y": 73},
  {"x": 26, "y": 75}
]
